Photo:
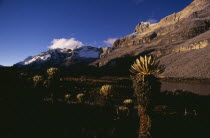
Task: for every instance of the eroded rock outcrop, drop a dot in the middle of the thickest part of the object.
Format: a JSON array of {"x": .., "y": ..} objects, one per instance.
[{"x": 141, "y": 27}]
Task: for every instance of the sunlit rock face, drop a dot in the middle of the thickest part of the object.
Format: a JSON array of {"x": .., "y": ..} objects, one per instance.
[
  {"x": 186, "y": 24},
  {"x": 141, "y": 27},
  {"x": 180, "y": 33},
  {"x": 184, "y": 47}
]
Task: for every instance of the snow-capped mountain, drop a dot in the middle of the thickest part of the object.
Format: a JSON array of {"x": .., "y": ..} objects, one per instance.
[
  {"x": 64, "y": 57},
  {"x": 52, "y": 57}
]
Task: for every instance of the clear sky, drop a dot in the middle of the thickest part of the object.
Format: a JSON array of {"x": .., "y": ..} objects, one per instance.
[{"x": 28, "y": 27}]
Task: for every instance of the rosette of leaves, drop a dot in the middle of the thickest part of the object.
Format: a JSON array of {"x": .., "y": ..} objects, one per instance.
[{"x": 146, "y": 65}]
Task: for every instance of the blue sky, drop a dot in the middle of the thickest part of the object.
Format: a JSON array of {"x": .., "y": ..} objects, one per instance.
[{"x": 28, "y": 27}]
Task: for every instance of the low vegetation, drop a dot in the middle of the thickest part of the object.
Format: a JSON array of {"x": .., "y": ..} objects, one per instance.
[{"x": 101, "y": 107}]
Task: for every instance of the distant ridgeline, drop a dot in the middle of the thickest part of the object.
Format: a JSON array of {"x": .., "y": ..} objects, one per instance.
[{"x": 64, "y": 57}]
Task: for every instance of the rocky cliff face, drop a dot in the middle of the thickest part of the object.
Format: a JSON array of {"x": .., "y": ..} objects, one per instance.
[
  {"x": 142, "y": 27},
  {"x": 180, "y": 36},
  {"x": 184, "y": 25}
]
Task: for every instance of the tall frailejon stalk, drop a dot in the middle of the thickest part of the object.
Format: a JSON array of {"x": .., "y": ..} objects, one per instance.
[
  {"x": 53, "y": 81},
  {"x": 147, "y": 88}
]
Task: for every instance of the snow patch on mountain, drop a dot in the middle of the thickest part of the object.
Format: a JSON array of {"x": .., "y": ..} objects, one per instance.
[
  {"x": 41, "y": 58},
  {"x": 54, "y": 54}
]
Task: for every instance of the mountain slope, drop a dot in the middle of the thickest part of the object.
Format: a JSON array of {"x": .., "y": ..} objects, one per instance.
[
  {"x": 181, "y": 41},
  {"x": 52, "y": 57},
  {"x": 64, "y": 57}
]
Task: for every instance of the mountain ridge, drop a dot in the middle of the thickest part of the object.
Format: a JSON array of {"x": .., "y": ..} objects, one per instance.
[{"x": 64, "y": 57}]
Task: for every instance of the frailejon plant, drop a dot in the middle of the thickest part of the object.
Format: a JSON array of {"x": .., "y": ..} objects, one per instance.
[
  {"x": 38, "y": 81},
  {"x": 147, "y": 88},
  {"x": 53, "y": 73},
  {"x": 80, "y": 97},
  {"x": 128, "y": 104},
  {"x": 53, "y": 81},
  {"x": 106, "y": 94},
  {"x": 106, "y": 90},
  {"x": 122, "y": 112},
  {"x": 127, "y": 101},
  {"x": 67, "y": 98}
]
